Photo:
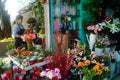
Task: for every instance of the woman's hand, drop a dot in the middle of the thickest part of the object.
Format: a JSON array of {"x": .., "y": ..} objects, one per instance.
[{"x": 22, "y": 37}]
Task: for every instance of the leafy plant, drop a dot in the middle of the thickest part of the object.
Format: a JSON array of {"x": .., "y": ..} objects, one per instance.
[
  {"x": 38, "y": 10},
  {"x": 2, "y": 66},
  {"x": 10, "y": 46}
]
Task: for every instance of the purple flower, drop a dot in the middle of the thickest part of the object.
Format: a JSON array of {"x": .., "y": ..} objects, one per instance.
[
  {"x": 47, "y": 69},
  {"x": 57, "y": 70},
  {"x": 59, "y": 76}
]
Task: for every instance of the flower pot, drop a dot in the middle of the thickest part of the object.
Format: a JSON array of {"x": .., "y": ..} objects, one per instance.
[
  {"x": 98, "y": 51},
  {"x": 112, "y": 69},
  {"x": 112, "y": 49},
  {"x": 107, "y": 50},
  {"x": 92, "y": 38}
]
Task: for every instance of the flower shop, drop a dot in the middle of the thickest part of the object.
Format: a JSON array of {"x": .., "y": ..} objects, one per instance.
[{"x": 79, "y": 41}]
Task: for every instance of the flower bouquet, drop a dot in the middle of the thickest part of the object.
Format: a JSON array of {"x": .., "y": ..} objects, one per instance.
[{"x": 88, "y": 65}]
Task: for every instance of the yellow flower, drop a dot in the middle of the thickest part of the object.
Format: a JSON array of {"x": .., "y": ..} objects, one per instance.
[
  {"x": 105, "y": 69},
  {"x": 80, "y": 64},
  {"x": 99, "y": 72}
]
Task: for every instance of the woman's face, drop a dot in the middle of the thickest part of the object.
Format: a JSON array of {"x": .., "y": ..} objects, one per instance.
[{"x": 19, "y": 21}]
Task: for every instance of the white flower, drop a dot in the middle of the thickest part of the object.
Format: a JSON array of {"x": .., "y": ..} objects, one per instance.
[
  {"x": 49, "y": 74},
  {"x": 43, "y": 73},
  {"x": 114, "y": 25},
  {"x": 84, "y": 58}
]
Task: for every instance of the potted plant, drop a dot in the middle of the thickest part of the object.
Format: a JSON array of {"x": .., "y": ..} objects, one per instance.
[
  {"x": 100, "y": 44},
  {"x": 93, "y": 29}
]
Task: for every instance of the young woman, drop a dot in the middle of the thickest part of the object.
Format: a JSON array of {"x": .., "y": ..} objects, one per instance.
[{"x": 18, "y": 32}]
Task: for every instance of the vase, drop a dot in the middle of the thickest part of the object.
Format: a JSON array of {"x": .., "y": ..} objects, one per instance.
[
  {"x": 98, "y": 51},
  {"x": 92, "y": 39},
  {"x": 112, "y": 69}
]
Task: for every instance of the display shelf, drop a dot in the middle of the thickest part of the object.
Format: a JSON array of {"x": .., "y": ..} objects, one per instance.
[{"x": 17, "y": 63}]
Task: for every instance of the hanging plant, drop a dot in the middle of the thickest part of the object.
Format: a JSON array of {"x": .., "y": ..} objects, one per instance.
[{"x": 38, "y": 10}]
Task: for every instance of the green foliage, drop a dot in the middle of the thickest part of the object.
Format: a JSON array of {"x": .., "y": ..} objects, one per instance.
[
  {"x": 89, "y": 73},
  {"x": 47, "y": 52},
  {"x": 10, "y": 46},
  {"x": 38, "y": 10},
  {"x": 89, "y": 8},
  {"x": 2, "y": 66}
]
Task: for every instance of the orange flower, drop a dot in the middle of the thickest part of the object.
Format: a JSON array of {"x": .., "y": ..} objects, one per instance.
[
  {"x": 18, "y": 50},
  {"x": 27, "y": 52},
  {"x": 23, "y": 52},
  {"x": 97, "y": 63},
  {"x": 80, "y": 64},
  {"x": 99, "y": 72},
  {"x": 86, "y": 62},
  {"x": 97, "y": 67}
]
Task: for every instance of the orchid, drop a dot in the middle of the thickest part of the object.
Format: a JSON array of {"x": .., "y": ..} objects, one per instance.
[{"x": 51, "y": 73}]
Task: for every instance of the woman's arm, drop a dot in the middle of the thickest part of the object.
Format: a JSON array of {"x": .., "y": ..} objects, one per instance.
[{"x": 15, "y": 31}]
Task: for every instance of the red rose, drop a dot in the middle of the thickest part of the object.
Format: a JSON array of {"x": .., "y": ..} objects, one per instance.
[
  {"x": 8, "y": 73},
  {"x": 54, "y": 78}
]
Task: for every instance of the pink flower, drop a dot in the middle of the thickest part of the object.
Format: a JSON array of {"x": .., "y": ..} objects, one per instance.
[
  {"x": 57, "y": 70},
  {"x": 91, "y": 27},
  {"x": 23, "y": 71},
  {"x": 4, "y": 76},
  {"x": 31, "y": 36}
]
